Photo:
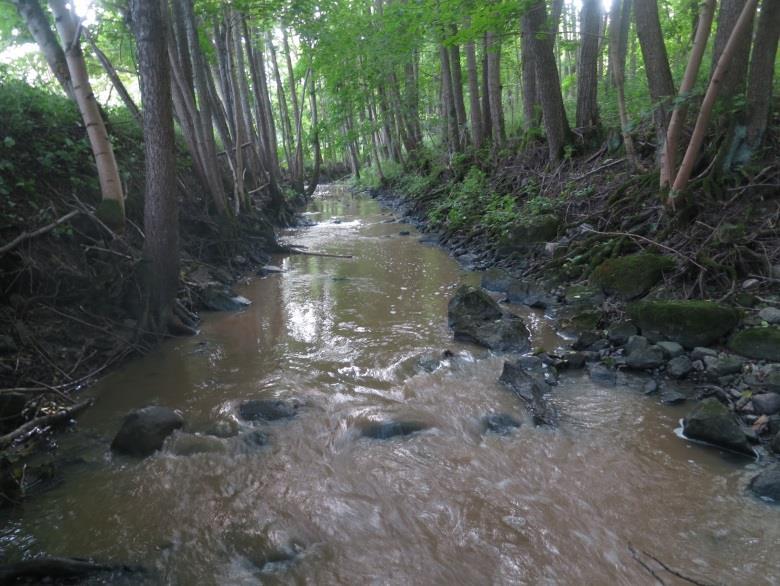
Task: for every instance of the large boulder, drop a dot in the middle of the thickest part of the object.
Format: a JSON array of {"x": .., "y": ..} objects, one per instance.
[
  {"x": 766, "y": 485},
  {"x": 712, "y": 422},
  {"x": 632, "y": 276},
  {"x": 690, "y": 323},
  {"x": 475, "y": 317},
  {"x": 758, "y": 343},
  {"x": 531, "y": 388},
  {"x": 144, "y": 430}
]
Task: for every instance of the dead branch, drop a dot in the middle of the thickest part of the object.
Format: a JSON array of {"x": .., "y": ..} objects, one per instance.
[
  {"x": 635, "y": 554},
  {"x": 60, "y": 417},
  {"x": 27, "y": 235}
]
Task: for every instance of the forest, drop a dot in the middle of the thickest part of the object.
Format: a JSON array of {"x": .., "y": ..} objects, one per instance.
[{"x": 611, "y": 164}]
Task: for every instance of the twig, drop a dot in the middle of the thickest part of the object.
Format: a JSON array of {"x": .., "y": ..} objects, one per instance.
[
  {"x": 628, "y": 234},
  {"x": 44, "y": 421},
  {"x": 667, "y": 568},
  {"x": 641, "y": 562},
  {"x": 601, "y": 168},
  {"x": 27, "y": 235}
]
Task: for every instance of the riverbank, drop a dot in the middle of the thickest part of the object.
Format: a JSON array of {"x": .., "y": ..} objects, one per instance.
[{"x": 679, "y": 302}]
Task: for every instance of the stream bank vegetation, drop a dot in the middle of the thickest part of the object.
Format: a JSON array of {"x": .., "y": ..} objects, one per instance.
[{"x": 149, "y": 149}]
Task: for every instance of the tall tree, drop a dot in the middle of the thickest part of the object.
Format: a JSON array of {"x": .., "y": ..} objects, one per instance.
[
  {"x": 762, "y": 69},
  {"x": 587, "y": 65},
  {"x": 161, "y": 223}
]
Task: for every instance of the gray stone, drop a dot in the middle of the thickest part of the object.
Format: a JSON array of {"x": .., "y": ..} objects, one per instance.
[
  {"x": 650, "y": 387},
  {"x": 532, "y": 390},
  {"x": 700, "y": 352},
  {"x": 475, "y": 317},
  {"x": 217, "y": 298},
  {"x": 679, "y": 367},
  {"x": 718, "y": 366},
  {"x": 389, "y": 429},
  {"x": 602, "y": 374},
  {"x": 619, "y": 333},
  {"x": 495, "y": 279},
  {"x": 712, "y": 422},
  {"x": 766, "y": 403},
  {"x": 636, "y": 343},
  {"x": 144, "y": 431},
  {"x": 671, "y": 349},
  {"x": 672, "y": 398},
  {"x": 266, "y": 410},
  {"x": 645, "y": 358},
  {"x": 775, "y": 445},
  {"x": 770, "y": 315},
  {"x": 500, "y": 423},
  {"x": 766, "y": 485},
  {"x": 524, "y": 292}
]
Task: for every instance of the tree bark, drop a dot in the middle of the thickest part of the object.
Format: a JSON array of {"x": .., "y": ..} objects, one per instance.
[
  {"x": 120, "y": 88},
  {"x": 487, "y": 122},
  {"x": 587, "y": 65},
  {"x": 733, "y": 82},
  {"x": 38, "y": 25},
  {"x": 548, "y": 82},
  {"x": 532, "y": 114},
  {"x": 494, "y": 90},
  {"x": 112, "y": 208},
  {"x": 618, "y": 45},
  {"x": 457, "y": 91},
  {"x": 659, "y": 76},
  {"x": 477, "y": 131},
  {"x": 161, "y": 222},
  {"x": 449, "y": 115},
  {"x": 762, "y": 69},
  {"x": 669, "y": 160}
]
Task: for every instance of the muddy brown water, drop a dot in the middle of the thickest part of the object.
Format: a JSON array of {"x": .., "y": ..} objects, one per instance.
[{"x": 451, "y": 505}]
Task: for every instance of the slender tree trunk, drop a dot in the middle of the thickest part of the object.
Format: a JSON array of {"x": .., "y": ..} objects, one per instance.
[
  {"x": 315, "y": 123},
  {"x": 297, "y": 174},
  {"x": 733, "y": 82},
  {"x": 741, "y": 29},
  {"x": 487, "y": 122},
  {"x": 120, "y": 88},
  {"x": 659, "y": 76},
  {"x": 284, "y": 112},
  {"x": 587, "y": 65},
  {"x": 161, "y": 222},
  {"x": 477, "y": 131},
  {"x": 33, "y": 16},
  {"x": 494, "y": 90},
  {"x": 618, "y": 45},
  {"x": 669, "y": 160},
  {"x": 457, "y": 91},
  {"x": 531, "y": 106},
  {"x": 556, "y": 125},
  {"x": 449, "y": 115},
  {"x": 112, "y": 208},
  {"x": 762, "y": 69},
  {"x": 240, "y": 196}
]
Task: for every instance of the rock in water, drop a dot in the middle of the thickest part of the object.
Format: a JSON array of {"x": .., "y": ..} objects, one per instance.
[
  {"x": 388, "y": 429},
  {"x": 143, "y": 431},
  {"x": 766, "y": 485},
  {"x": 218, "y": 298},
  {"x": 690, "y": 323},
  {"x": 266, "y": 410},
  {"x": 532, "y": 390},
  {"x": 500, "y": 423},
  {"x": 712, "y": 422},
  {"x": 475, "y": 317}
]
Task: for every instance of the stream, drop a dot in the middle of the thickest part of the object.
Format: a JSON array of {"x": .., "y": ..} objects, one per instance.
[{"x": 319, "y": 504}]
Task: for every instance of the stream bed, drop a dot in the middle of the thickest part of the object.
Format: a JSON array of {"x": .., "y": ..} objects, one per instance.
[{"x": 356, "y": 340}]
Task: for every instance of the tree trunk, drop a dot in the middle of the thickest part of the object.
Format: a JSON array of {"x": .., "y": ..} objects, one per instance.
[
  {"x": 297, "y": 171},
  {"x": 532, "y": 114},
  {"x": 315, "y": 177},
  {"x": 487, "y": 122},
  {"x": 477, "y": 131},
  {"x": 161, "y": 222},
  {"x": 659, "y": 76},
  {"x": 449, "y": 115},
  {"x": 112, "y": 208},
  {"x": 733, "y": 82},
  {"x": 33, "y": 16},
  {"x": 494, "y": 90},
  {"x": 669, "y": 160},
  {"x": 587, "y": 65},
  {"x": 762, "y": 69},
  {"x": 618, "y": 44},
  {"x": 457, "y": 91},
  {"x": 740, "y": 30},
  {"x": 281, "y": 99},
  {"x": 556, "y": 125}
]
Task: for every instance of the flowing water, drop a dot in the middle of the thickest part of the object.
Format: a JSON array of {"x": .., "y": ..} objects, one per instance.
[{"x": 450, "y": 505}]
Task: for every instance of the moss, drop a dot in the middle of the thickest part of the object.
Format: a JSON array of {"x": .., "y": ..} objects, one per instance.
[
  {"x": 629, "y": 277},
  {"x": 758, "y": 343},
  {"x": 111, "y": 213},
  {"x": 690, "y": 323},
  {"x": 534, "y": 228}
]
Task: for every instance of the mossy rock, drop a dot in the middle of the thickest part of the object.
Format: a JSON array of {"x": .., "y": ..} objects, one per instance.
[
  {"x": 690, "y": 323},
  {"x": 758, "y": 343},
  {"x": 584, "y": 321},
  {"x": 632, "y": 276},
  {"x": 534, "y": 229}
]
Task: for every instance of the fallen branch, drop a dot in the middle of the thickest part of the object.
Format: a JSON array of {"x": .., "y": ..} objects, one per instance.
[
  {"x": 635, "y": 554},
  {"x": 27, "y": 235},
  {"x": 60, "y": 417},
  {"x": 658, "y": 244},
  {"x": 601, "y": 168}
]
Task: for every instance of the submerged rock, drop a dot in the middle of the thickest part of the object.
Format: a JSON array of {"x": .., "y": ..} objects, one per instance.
[
  {"x": 500, "y": 423},
  {"x": 602, "y": 374},
  {"x": 530, "y": 293},
  {"x": 632, "y": 276},
  {"x": 672, "y": 398},
  {"x": 392, "y": 428},
  {"x": 766, "y": 485},
  {"x": 712, "y": 422},
  {"x": 58, "y": 570},
  {"x": 532, "y": 390},
  {"x": 144, "y": 431},
  {"x": 475, "y": 317},
  {"x": 266, "y": 410},
  {"x": 758, "y": 343},
  {"x": 690, "y": 323},
  {"x": 189, "y": 444},
  {"x": 217, "y": 298}
]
